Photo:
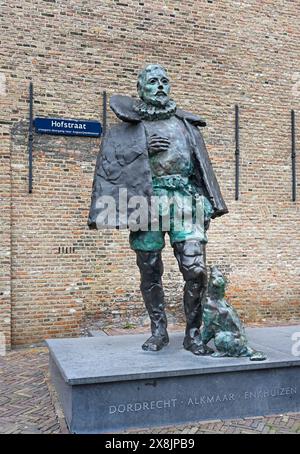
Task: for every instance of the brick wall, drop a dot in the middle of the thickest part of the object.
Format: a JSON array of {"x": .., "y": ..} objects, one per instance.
[
  {"x": 218, "y": 54},
  {"x": 5, "y": 233}
]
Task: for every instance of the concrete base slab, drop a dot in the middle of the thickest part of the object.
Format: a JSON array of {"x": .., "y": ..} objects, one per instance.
[{"x": 109, "y": 384}]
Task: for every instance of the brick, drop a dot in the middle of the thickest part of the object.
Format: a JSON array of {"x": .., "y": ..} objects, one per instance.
[{"x": 217, "y": 55}]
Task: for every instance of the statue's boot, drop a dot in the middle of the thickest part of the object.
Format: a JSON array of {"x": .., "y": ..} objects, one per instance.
[
  {"x": 193, "y": 297},
  {"x": 190, "y": 255},
  {"x": 151, "y": 270}
]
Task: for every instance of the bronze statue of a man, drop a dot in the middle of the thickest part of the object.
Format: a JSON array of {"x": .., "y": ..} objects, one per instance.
[{"x": 158, "y": 151}]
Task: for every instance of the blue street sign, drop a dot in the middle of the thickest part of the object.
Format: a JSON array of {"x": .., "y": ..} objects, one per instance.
[{"x": 68, "y": 127}]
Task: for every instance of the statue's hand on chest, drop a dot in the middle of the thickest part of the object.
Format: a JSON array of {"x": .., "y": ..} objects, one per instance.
[{"x": 157, "y": 144}]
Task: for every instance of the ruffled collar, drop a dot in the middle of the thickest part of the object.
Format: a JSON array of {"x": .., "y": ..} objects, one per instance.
[{"x": 150, "y": 112}]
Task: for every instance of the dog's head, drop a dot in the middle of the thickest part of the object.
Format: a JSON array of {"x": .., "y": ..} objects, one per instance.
[{"x": 217, "y": 282}]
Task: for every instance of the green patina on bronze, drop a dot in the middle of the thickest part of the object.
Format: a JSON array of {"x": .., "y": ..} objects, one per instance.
[
  {"x": 157, "y": 151},
  {"x": 176, "y": 189},
  {"x": 221, "y": 322},
  {"x": 171, "y": 165},
  {"x": 154, "y": 88}
]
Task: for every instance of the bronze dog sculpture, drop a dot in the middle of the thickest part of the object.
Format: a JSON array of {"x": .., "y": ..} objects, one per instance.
[{"x": 221, "y": 323}]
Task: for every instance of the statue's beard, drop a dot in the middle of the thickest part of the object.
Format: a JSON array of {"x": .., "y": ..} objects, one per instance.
[{"x": 150, "y": 112}]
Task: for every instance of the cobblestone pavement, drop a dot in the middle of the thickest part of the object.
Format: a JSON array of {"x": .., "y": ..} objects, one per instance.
[
  {"x": 28, "y": 404},
  {"x": 25, "y": 402}
]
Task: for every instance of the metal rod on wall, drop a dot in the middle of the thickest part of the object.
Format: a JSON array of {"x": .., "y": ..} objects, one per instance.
[
  {"x": 104, "y": 112},
  {"x": 237, "y": 152},
  {"x": 30, "y": 138},
  {"x": 293, "y": 155}
]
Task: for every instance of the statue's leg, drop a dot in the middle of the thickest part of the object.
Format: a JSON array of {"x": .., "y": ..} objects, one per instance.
[
  {"x": 190, "y": 255},
  {"x": 151, "y": 269},
  {"x": 148, "y": 246}
]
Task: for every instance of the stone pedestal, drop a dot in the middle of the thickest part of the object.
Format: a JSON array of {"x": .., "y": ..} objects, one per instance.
[{"x": 109, "y": 384}]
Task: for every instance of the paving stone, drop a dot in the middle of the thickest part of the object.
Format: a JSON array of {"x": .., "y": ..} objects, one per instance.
[{"x": 25, "y": 401}]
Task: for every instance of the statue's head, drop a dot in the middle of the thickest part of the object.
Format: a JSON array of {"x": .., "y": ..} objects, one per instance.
[{"x": 153, "y": 85}]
